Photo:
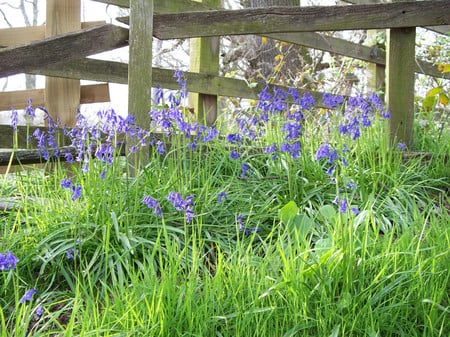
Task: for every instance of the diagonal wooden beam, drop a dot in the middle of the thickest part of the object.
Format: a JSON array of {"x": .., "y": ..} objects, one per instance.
[{"x": 61, "y": 48}]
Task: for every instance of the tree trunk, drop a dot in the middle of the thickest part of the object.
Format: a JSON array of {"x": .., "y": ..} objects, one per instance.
[{"x": 274, "y": 61}]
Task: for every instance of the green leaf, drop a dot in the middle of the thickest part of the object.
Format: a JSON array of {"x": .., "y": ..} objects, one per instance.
[
  {"x": 288, "y": 212},
  {"x": 301, "y": 225},
  {"x": 434, "y": 91},
  {"x": 328, "y": 212}
]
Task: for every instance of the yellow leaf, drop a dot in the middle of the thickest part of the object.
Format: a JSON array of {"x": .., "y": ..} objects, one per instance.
[
  {"x": 443, "y": 99},
  {"x": 278, "y": 57},
  {"x": 428, "y": 103},
  {"x": 434, "y": 91},
  {"x": 444, "y": 68},
  {"x": 264, "y": 40}
]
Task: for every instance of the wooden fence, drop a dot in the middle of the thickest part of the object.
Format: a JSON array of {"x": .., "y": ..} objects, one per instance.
[{"x": 64, "y": 55}]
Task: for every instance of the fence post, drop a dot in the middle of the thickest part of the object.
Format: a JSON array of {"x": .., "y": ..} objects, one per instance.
[
  {"x": 62, "y": 96},
  {"x": 400, "y": 61},
  {"x": 204, "y": 58},
  {"x": 140, "y": 69}
]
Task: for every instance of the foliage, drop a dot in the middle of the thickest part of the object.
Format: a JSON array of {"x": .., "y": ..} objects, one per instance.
[{"x": 283, "y": 222}]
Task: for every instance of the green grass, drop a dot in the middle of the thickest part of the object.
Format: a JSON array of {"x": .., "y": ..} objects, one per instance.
[{"x": 310, "y": 270}]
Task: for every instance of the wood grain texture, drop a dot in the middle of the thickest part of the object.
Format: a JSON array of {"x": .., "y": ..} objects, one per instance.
[
  {"x": 61, "y": 48},
  {"x": 92, "y": 93},
  {"x": 22, "y": 35},
  {"x": 301, "y": 19}
]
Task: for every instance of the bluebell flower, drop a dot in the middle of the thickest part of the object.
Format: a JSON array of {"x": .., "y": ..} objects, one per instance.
[
  {"x": 71, "y": 253},
  {"x": 29, "y": 110},
  {"x": 14, "y": 119},
  {"x": 153, "y": 204},
  {"x": 212, "y": 133},
  {"x": 332, "y": 101},
  {"x": 28, "y": 296},
  {"x": 292, "y": 148},
  {"x": 76, "y": 190},
  {"x": 343, "y": 206},
  {"x": 402, "y": 146},
  {"x": 160, "y": 147},
  {"x": 181, "y": 204},
  {"x": 354, "y": 210},
  {"x": 221, "y": 197},
  {"x": 8, "y": 261},
  {"x": 39, "y": 311},
  {"x": 244, "y": 169},
  {"x": 65, "y": 183},
  {"x": 159, "y": 95},
  {"x": 234, "y": 138},
  {"x": 270, "y": 149},
  {"x": 234, "y": 155}
]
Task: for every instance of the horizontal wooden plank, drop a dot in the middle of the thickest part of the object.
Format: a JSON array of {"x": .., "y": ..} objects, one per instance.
[
  {"x": 22, "y": 35},
  {"x": 92, "y": 93},
  {"x": 24, "y": 58},
  {"x": 437, "y": 29},
  {"x": 117, "y": 72},
  {"x": 301, "y": 19},
  {"x": 164, "y": 6}
]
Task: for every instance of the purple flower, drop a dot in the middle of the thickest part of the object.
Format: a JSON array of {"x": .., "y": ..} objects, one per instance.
[
  {"x": 355, "y": 210},
  {"x": 76, "y": 190},
  {"x": 8, "y": 261},
  {"x": 71, "y": 253},
  {"x": 181, "y": 204},
  {"x": 402, "y": 146},
  {"x": 65, "y": 183},
  {"x": 212, "y": 133},
  {"x": 244, "y": 169},
  {"x": 160, "y": 147},
  {"x": 153, "y": 204},
  {"x": 343, "y": 206},
  {"x": 270, "y": 149},
  {"x": 29, "y": 110},
  {"x": 234, "y": 138},
  {"x": 14, "y": 119},
  {"x": 28, "y": 296},
  {"x": 234, "y": 155},
  {"x": 40, "y": 310},
  {"x": 221, "y": 197},
  {"x": 332, "y": 101}
]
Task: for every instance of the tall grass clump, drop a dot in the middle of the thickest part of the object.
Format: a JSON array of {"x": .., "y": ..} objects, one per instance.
[{"x": 283, "y": 221}]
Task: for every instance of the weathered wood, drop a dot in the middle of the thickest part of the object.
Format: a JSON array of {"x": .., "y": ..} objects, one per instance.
[
  {"x": 204, "y": 58},
  {"x": 23, "y": 133},
  {"x": 350, "y": 49},
  {"x": 164, "y": 6},
  {"x": 22, "y": 35},
  {"x": 96, "y": 70},
  {"x": 400, "y": 84},
  {"x": 62, "y": 95},
  {"x": 301, "y": 19},
  {"x": 438, "y": 29},
  {"x": 140, "y": 70},
  {"x": 25, "y": 157},
  {"x": 62, "y": 48},
  {"x": 92, "y": 93}
]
